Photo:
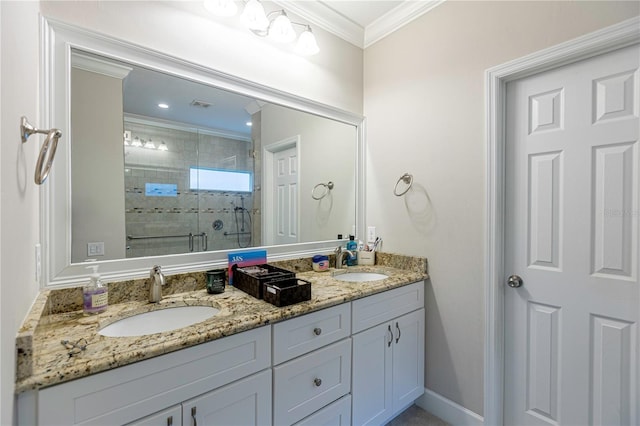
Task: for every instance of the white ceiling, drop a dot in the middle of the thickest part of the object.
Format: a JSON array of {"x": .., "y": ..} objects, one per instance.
[{"x": 360, "y": 22}]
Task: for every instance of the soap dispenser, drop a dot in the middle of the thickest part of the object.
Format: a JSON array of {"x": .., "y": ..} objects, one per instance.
[
  {"x": 95, "y": 295},
  {"x": 352, "y": 246}
]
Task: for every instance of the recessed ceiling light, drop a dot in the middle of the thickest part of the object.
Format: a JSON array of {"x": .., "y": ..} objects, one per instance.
[
  {"x": 248, "y": 123},
  {"x": 163, "y": 106}
]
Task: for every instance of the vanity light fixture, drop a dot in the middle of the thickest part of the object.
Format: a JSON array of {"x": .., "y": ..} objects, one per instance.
[
  {"x": 254, "y": 16},
  {"x": 136, "y": 142},
  {"x": 163, "y": 147},
  {"x": 276, "y": 25},
  {"x": 307, "y": 44},
  {"x": 281, "y": 29},
  {"x": 149, "y": 144},
  {"x": 221, "y": 7}
]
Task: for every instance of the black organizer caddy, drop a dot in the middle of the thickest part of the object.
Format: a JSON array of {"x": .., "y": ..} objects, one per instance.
[{"x": 275, "y": 285}]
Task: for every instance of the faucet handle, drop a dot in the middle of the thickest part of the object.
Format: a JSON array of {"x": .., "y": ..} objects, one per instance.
[{"x": 155, "y": 270}]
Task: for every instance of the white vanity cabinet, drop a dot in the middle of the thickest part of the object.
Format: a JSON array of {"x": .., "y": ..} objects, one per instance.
[
  {"x": 355, "y": 363},
  {"x": 388, "y": 353},
  {"x": 129, "y": 393},
  {"x": 312, "y": 364}
]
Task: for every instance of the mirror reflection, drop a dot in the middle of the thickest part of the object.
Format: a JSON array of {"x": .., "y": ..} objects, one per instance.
[{"x": 163, "y": 165}]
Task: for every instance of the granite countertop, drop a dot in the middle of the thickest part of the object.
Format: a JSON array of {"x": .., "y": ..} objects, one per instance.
[{"x": 43, "y": 361}]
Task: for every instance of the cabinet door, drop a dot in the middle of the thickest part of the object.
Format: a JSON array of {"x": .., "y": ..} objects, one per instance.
[
  {"x": 246, "y": 402},
  {"x": 169, "y": 417},
  {"x": 372, "y": 369},
  {"x": 408, "y": 359}
]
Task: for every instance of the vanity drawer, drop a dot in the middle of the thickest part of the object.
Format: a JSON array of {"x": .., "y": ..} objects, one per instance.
[
  {"x": 298, "y": 336},
  {"x": 335, "y": 414},
  {"x": 373, "y": 310},
  {"x": 308, "y": 383}
]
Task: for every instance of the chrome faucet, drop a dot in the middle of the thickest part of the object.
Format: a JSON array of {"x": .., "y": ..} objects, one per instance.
[
  {"x": 340, "y": 259},
  {"x": 157, "y": 281}
]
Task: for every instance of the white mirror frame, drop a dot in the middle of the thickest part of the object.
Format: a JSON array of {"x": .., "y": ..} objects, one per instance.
[{"x": 57, "y": 41}]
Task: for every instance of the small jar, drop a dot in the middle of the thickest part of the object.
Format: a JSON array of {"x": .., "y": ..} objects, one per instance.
[
  {"x": 215, "y": 281},
  {"x": 320, "y": 263}
]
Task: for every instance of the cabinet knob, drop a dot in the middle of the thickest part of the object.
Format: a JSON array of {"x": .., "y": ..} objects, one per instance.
[
  {"x": 317, "y": 381},
  {"x": 317, "y": 331}
]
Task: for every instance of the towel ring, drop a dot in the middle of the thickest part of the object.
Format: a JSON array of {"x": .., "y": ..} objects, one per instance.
[
  {"x": 48, "y": 147},
  {"x": 406, "y": 178},
  {"x": 327, "y": 187}
]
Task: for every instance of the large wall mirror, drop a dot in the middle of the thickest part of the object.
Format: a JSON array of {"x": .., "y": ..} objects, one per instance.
[{"x": 166, "y": 162}]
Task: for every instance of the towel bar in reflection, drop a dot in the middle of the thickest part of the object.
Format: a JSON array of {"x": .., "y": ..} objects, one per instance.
[
  {"x": 203, "y": 238},
  {"x": 327, "y": 188}
]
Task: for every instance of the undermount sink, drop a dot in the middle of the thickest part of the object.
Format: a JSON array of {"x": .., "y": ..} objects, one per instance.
[
  {"x": 360, "y": 277},
  {"x": 158, "y": 321}
]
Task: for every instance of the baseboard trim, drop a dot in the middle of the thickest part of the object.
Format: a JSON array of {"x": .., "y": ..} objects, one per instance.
[{"x": 449, "y": 411}]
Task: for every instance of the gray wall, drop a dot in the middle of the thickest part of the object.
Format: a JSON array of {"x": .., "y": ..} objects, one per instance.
[
  {"x": 97, "y": 164},
  {"x": 424, "y": 103},
  {"x": 327, "y": 153}
]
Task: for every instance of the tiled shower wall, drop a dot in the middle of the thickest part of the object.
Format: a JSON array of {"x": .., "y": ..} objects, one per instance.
[{"x": 171, "y": 218}]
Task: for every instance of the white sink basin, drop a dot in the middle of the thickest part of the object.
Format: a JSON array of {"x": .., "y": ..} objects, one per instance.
[
  {"x": 158, "y": 321},
  {"x": 360, "y": 277}
]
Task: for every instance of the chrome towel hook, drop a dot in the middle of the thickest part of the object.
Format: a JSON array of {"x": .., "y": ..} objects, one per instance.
[
  {"x": 327, "y": 187},
  {"x": 49, "y": 146},
  {"x": 408, "y": 180}
]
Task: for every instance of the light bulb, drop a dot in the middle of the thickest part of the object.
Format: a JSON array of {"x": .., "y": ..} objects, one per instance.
[
  {"x": 307, "y": 44},
  {"x": 163, "y": 147},
  {"x": 254, "y": 17},
  {"x": 136, "y": 142},
  {"x": 149, "y": 144},
  {"x": 221, "y": 7},
  {"x": 281, "y": 29}
]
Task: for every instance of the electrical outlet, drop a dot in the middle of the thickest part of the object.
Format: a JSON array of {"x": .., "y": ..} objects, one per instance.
[
  {"x": 371, "y": 234},
  {"x": 95, "y": 249}
]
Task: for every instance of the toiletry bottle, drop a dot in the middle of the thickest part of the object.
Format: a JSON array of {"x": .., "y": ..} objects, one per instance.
[
  {"x": 352, "y": 246},
  {"x": 94, "y": 295}
]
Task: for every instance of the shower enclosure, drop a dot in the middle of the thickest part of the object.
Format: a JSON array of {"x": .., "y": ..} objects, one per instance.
[{"x": 188, "y": 190}]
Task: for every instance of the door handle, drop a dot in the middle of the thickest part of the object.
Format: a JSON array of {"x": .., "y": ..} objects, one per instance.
[
  {"x": 514, "y": 281},
  {"x": 390, "y": 336},
  {"x": 193, "y": 416},
  {"x": 399, "y": 333}
]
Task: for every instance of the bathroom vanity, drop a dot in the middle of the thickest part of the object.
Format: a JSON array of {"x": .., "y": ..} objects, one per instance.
[{"x": 354, "y": 354}]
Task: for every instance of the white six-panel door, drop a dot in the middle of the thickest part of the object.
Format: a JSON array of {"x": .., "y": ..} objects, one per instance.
[
  {"x": 286, "y": 196},
  {"x": 572, "y": 223}
]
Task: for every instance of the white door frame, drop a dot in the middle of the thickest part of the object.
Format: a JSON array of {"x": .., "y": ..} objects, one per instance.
[
  {"x": 605, "y": 40},
  {"x": 268, "y": 227}
]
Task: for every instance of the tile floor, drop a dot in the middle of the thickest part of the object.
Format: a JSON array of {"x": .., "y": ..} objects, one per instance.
[{"x": 416, "y": 416}]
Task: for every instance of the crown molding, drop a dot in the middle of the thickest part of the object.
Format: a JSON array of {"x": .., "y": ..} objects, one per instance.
[
  {"x": 93, "y": 64},
  {"x": 396, "y": 18},
  {"x": 319, "y": 14}
]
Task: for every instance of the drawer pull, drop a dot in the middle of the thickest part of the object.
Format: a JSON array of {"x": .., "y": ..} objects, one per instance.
[
  {"x": 193, "y": 416},
  {"x": 390, "y": 336},
  {"x": 317, "y": 331},
  {"x": 317, "y": 382},
  {"x": 170, "y": 421},
  {"x": 399, "y": 333}
]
